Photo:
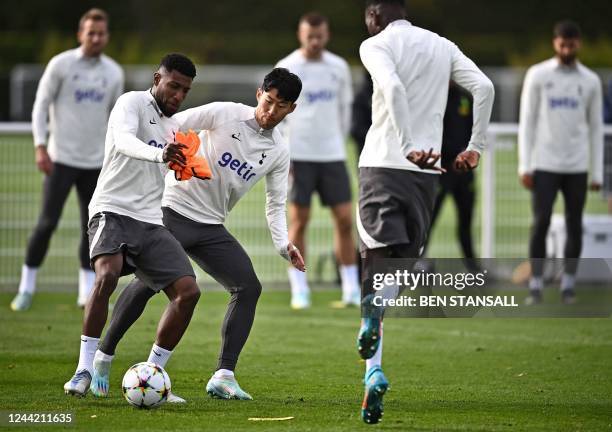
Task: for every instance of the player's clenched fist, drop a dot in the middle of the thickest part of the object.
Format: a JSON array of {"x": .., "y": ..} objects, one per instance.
[{"x": 173, "y": 154}]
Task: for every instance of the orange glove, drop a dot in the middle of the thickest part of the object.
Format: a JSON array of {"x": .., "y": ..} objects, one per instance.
[{"x": 196, "y": 166}]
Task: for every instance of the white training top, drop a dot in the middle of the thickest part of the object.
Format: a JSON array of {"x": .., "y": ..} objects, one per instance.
[
  {"x": 318, "y": 127},
  {"x": 561, "y": 122},
  {"x": 132, "y": 179},
  {"x": 239, "y": 154},
  {"x": 76, "y": 93},
  {"x": 411, "y": 69}
]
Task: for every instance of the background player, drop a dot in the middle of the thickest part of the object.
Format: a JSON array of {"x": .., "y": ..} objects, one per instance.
[
  {"x": 560, "y": 136},
  {"x": 457, "y": 131},
  {"x": 76, "y": 93},
  {"x": 317, "y": 133},
  {"x": 411, "y": 69},
  {"x": 126, "y": 233},
  {"x": 243, "y": 147}
]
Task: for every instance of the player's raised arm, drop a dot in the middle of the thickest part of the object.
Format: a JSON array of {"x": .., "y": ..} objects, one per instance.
[
  {"x": 204, "y": 117},
  {"x": 379, "y": 62}
]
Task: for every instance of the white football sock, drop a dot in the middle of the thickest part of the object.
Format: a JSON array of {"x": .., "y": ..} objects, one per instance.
[
  {"x": 102, "y": 362},
  {"x": 86, "y": 282},
  {"x": 298, "y": 282},
  {"x": 89, "y": 345},
  {"x": 568, "y": 281},
  {"x": 376, "y": 359},
  {"x": 224, "y": 373},
  {"x": 159, "y": 356},
  {"x": 350, "y": 281},
  {"x": 27, "y": 284},
  {"x": 536, "y": 283}
]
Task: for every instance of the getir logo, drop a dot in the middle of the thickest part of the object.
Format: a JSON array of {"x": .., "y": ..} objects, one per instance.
[{"x": 242, "y": 169}]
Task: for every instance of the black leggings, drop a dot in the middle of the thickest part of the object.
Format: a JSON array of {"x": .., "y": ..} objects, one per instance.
[
  {"x": 545, "y": 188},
  {"x": 220, "y": 255},
  {"x": 56, "y": 189},
  {"x": 461, "y": 186}
]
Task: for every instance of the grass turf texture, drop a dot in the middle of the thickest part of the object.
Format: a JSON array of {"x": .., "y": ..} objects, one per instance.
[{"x": 445, "y": 374}]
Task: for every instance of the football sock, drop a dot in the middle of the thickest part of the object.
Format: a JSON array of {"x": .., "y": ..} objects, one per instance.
[
  {"x": 536, "y": 283},
  {"x": 568, "y": 281},
  {"x": 350, "y": 281},
  {"x": 27, "y": 284},
  {"x": 223, "y": 373},
  {"x": 298, "y": 282},
  {"x": 159, "y": 356},
  {"x": 89, "y": 345},
  {"x": 102, "y": 362},
  {"x": 86, "y": 282},
  {"x": 376, "y": 359}
]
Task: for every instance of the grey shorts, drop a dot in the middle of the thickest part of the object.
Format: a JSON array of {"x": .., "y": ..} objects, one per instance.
[
  {"x": 214, "y": 249},
  {"x": 329, "y": 179},
  {"x": 395, "y": 208},
  {"x": 150, "y": 251}
]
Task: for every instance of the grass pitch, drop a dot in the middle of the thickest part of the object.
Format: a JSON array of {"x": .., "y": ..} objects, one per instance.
[{"x": 445, "y": 374}]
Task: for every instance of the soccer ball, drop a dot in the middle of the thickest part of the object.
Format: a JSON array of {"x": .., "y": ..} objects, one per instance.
[{"x": 146, "y": 385}]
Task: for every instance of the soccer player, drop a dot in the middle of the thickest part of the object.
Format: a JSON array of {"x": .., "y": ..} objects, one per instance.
[
  {"x": 560, "y": 136},
  {"x": 317, "y": 133},
  {"x": 76, "y": 92},
  {"x": 243, "y": 147},
  {"x": 126, "y": 233},
  {"x": 411, "y": 69}
]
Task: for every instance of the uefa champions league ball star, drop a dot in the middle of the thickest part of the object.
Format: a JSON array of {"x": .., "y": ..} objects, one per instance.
[{"x": 146, "y": 385}]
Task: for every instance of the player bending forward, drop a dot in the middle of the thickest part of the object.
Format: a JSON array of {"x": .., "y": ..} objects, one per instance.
[{"x": 243, "y": 147}]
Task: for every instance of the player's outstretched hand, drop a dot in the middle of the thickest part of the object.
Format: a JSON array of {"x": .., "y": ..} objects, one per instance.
[
  {"x": 173, "y": 154},
  {"x": 425, "y": 159},
  {"x": 595, "y": 187},
  {"x": 527, "y": 181},
  {"x": 467, "y": 161},
  {"x": 296, "y": 257},
  {"x": 43, "y": 161}
]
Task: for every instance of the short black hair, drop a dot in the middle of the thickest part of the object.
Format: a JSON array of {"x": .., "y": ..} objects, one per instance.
[
  {"x": 314, "y": 19},
  {"x": 94, "y": 14},
  {"x": 567, "y": 29},
  {"x": 400, "y": 3},
  {"x": 180, "y": 63},
  {"x": 287, "y": 84}
]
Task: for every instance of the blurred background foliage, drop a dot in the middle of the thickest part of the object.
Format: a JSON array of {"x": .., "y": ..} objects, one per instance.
[{"x": 493, "y": 33}]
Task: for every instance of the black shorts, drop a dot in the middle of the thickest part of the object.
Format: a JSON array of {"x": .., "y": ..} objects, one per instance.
[
  {"x": 150, "y": 251},
  {"x": 329, "y": 179},
  {"x": 395, "y": 207}
]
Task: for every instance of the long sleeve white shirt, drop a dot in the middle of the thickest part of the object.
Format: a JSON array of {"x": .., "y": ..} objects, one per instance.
[
  {"x": 131, "y": 182},
  {"x": 318, "y": 127},
  {"x": 411, "y": 69},
  {"x": 239, "y": 154},
  {"x": 561, "y": 123},
  {"x": 76, "y": 94}
]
